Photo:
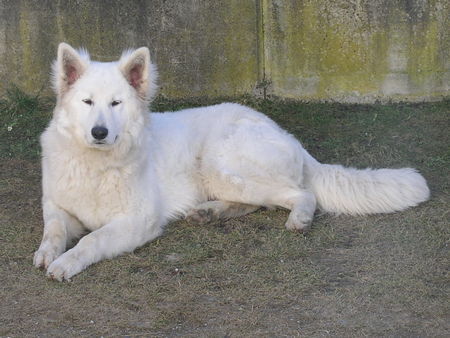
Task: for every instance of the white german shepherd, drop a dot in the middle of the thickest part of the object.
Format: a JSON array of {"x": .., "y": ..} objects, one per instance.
[{"x": 114, "y": 169}]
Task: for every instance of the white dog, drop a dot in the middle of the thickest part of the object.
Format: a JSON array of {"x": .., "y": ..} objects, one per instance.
[{"x": 114, "y": 169}]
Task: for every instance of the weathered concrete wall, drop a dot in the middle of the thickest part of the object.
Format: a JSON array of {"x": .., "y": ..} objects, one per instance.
[
  {"x": 201, "y": 47},
  {"x": 358, "y": 50},
  {"x": 343, "y": 50}
]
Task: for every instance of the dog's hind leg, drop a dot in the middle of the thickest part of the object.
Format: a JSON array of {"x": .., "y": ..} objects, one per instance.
[
  {"x": 299, "y": 200},
  {"x": 214, "y": 210}
]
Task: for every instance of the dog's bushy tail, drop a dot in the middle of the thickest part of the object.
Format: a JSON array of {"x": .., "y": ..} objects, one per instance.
[{"x": 353, "y": 191}]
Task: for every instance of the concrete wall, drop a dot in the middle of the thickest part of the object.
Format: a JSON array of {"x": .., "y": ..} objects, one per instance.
[
  {"x": 344, "y": 50},
  {"x": 356, "y": 50}
]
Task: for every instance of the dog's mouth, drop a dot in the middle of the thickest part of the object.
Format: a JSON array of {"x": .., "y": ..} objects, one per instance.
[{"x": 103, "y": 144}]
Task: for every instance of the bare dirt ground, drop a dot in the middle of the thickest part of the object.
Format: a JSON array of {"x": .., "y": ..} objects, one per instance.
[{"x": 380, "y": 275}]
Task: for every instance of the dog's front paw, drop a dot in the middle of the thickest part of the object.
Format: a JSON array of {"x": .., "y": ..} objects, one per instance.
[
  {"x": 64, "y": 267},
  {"x": 44, "y": 257}
]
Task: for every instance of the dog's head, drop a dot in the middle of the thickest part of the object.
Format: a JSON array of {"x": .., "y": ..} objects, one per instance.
[{"x": 102, "y": 103}]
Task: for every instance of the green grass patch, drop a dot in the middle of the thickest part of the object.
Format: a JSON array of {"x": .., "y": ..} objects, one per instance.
[{"x": 23, "y": 117}]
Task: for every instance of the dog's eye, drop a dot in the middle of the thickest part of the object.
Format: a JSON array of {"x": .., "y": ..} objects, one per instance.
[
  {"x": 115, "y": 103},
  {"x": 88, "y": 101}
]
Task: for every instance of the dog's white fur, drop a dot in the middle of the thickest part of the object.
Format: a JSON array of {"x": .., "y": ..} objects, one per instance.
[{"x": 203, "y": 163}]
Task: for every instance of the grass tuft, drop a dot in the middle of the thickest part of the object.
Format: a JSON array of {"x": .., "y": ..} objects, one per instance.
[{"x": 23, "y": 117}]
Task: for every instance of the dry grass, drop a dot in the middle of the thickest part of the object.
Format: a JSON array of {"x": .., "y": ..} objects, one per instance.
[{"x": 382, "y": 275}]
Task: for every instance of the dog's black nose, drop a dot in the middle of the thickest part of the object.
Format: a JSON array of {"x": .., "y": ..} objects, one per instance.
[{"x": 99, "y": 133}]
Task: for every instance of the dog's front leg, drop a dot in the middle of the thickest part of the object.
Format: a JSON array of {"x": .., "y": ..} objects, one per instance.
[
  {"x": 60, "y": 229},
  {"x": 121, "y": 235}
]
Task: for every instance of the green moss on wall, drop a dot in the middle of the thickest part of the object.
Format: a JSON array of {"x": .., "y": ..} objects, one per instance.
[
  {"x": 26, "y": 50},
  {"x": 350, "y": 51},
  {"x": 424, "y": 51},
  {"x": 239, "y": 53},
  {"x": 335, "y": 57}
]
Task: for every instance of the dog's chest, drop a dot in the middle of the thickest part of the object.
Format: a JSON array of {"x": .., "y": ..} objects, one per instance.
[{"x": 94, "y": 197}]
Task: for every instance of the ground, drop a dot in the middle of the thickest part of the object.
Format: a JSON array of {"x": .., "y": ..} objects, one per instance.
[{"x": 379, "y": 275}]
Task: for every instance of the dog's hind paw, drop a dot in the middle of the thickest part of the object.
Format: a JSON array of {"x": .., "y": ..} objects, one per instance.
[
  {"x": 201, "y": 216},
  {"x": 300, "y": 222}
]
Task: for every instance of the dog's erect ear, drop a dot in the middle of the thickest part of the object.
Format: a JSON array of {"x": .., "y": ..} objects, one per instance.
[
  {"x": 68, "y": 67},
  {"x": 139, "y": 72}
]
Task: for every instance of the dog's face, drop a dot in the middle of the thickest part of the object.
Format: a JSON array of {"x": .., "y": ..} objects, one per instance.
[{"x": 101, "y": 104}]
